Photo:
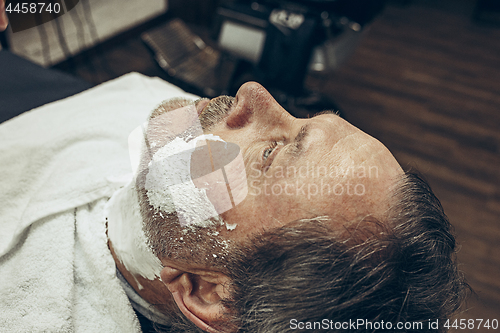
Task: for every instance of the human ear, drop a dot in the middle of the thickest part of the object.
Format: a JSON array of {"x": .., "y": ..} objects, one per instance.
[{"x": 198, "y": 294}]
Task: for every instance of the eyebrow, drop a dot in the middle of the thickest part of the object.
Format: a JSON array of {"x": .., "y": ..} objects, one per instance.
[
  {"x": 299, "y": 140},
  {"x": 297, "y": 145},
  {"x": 303, "y": 132}
]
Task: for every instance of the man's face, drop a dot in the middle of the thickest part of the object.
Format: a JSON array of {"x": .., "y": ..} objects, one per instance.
[
  {"x": 299, "y": 168},
  {"x": 295, "y": 169}
]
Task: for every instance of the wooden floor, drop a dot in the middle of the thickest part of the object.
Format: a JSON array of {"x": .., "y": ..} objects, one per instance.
[{"x": 425, "y": 80}]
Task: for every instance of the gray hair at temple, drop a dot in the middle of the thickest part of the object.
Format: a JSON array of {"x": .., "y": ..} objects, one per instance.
[{"x": 400, "y": 270}]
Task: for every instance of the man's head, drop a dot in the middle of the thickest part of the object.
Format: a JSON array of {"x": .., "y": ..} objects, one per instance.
[{"x": 330, "y": 218}]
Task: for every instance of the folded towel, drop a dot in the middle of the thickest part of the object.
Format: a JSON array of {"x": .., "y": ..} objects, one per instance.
[{"x": 56, "y": 271}]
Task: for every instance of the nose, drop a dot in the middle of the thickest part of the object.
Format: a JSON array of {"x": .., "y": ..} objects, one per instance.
[{"x": 254, "y": 103}]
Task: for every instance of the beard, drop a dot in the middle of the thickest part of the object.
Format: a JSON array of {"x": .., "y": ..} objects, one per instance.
[{"x": 167, "y": 238}]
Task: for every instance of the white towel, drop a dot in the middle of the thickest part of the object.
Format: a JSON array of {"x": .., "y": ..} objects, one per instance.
[{"x": 56, "y": 272}]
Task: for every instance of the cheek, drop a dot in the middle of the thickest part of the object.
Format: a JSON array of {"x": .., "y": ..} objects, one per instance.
[
  {"x": 282, "y": 200},
  {"x": 257, "y": 213},
  {"x": 308, "y": 197},
  {"x": 244, "y": 217}
]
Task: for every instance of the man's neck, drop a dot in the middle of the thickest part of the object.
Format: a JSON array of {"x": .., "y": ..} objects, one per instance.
[{"x": 152, "y": 291}]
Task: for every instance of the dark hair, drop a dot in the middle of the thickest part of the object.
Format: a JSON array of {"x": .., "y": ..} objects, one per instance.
[
  {"x": 399, "y": 270},
  {"x": 402, "y": 270}
]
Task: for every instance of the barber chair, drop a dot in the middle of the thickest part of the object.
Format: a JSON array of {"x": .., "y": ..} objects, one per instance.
[
  {"x": 274, "y": 42},
  {"x": 279, "y": 42}
]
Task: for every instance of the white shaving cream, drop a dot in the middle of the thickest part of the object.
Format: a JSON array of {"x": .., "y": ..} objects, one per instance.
[
  {"x": 127, "y": 236},
  {"x": 231, "y": 226},
  {"x": 170, "y": 187}
]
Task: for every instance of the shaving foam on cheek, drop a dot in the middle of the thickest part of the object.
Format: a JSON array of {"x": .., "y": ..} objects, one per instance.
[
  {"x": 127, "y": 236},
  {"x": 170, "y": 187}
]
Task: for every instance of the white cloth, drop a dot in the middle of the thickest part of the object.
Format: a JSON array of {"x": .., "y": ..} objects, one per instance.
[
  {"x": 140, "y": 305},
  {"x": 56, "y": 272}
]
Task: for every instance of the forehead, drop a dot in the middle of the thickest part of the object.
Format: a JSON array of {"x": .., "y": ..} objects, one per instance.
[
  {"x": 345, "y": 172},
  {"x": 334, "y": 141}
]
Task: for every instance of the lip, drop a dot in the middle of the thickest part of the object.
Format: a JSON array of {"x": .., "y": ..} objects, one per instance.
[{"x": 201, "y": 105}]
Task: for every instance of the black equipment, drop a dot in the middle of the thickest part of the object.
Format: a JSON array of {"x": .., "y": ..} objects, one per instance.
[
  {"x": 274, "y": 42},
  {"x": 278, "y": 38}
]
